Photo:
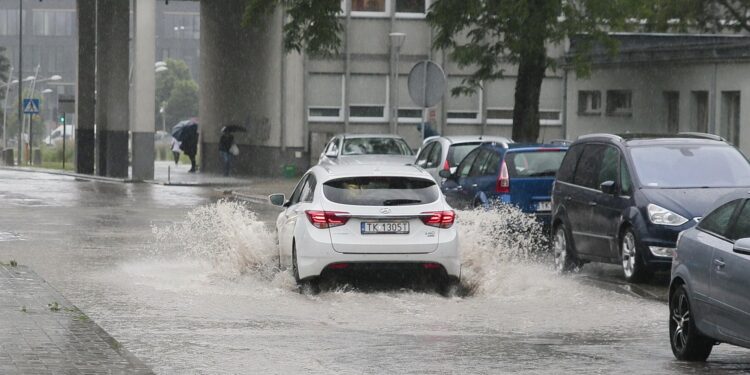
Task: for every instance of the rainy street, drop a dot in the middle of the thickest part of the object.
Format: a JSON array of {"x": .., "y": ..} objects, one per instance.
[{"x": 191, "y": 286}]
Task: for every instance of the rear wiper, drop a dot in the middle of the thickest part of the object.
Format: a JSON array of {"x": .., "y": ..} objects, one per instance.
[{"x": 399, "y": 202}]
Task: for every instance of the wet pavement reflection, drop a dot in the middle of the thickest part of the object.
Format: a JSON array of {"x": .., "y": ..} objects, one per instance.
[{"x": 223, "y": 307}]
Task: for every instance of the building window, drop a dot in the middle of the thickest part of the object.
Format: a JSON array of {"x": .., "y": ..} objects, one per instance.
[
  {"x": 463, "y": 115},
  {"x": 411, "y": 6},
  {"x": 325, "y": 112},
  {"x": 505, "y": 117},
  {"x": 368, "y": 5},
  {"x": 619, "y": 103},
  {"x": 500, "y": 114},
  {"x": 367, "y": 111},
  {"x": 409, "y": 115},
  {"x": 700, "y": 111},
  {"x": 730, "y": 116},
  {"x": 589, "y": 103}
]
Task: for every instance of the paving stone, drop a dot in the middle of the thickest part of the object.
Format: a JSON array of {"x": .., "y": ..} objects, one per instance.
[{"x": 52, "y": 339}]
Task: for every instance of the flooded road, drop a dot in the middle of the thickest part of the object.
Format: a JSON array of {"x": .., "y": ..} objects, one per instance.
[{"x": 192, "y": 286}]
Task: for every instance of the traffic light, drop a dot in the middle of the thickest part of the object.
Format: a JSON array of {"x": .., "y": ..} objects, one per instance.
[{"x": 61, "y": 119}]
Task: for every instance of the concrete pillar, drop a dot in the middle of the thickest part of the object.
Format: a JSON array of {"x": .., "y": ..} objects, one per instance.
[
  {"x": 240, "y": 85},
  {"x": 112, "y": 99},
  {"x": 85, "y": 99},
  {"x": 144, "y": 86}
]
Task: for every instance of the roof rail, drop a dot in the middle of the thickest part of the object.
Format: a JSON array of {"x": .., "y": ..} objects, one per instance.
[
  {"x": 561, "y": 142},
  {"x": 704, "y": 135},
  {"x": 501, "y": 144},
  {"x": 613, "y": 137}
]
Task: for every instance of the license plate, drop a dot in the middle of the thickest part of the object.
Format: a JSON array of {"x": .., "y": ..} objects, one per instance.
[
  {"x": 385, "y": 227},
  {"x": 544, "y": 206}
]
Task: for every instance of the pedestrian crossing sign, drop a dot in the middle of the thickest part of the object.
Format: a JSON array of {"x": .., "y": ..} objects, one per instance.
[{"x": 31, "y": 106}]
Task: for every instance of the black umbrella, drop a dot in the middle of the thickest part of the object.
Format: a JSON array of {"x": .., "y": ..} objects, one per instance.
[
  {"x": 184, "y": 129},
  {"x": 233, "y": 128}
]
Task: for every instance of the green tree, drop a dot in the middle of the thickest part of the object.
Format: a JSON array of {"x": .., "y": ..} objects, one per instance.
[
  {"x": 183, "y": 102},
  {"x": 698, "y": 15},
  {"x": 177, "y": 71}
]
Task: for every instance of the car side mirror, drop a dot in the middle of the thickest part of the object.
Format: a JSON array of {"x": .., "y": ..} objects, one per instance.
[
  {"x": 277, "y": 199},
  {"x": 332, "y": 154},
  {"x": 608, "y": 187},
  {"x": 445, "y": 174},
  {"x": 742, "y": 246}
]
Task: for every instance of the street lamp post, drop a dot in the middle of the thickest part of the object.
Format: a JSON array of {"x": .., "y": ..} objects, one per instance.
[
  {"x": 5, "y": 108},
  {"x": 397, "y": 40}
]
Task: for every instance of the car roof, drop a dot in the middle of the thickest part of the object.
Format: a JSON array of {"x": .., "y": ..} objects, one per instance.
[
  {"x": 527, "y": 147},
  {"x": 368, "y": 135},
  {"x": 329, "y": 172},
  {"x": 740, "y": 193},
  {"x": 641, "y": 139}
]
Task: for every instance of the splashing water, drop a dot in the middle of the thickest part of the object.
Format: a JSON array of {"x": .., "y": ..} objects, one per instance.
[
  {"x": 500, "y": 248},
  {"x": 228, "y": 236}
]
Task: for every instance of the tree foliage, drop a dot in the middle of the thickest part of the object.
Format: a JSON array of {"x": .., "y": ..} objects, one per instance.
[
  {"x": 312, "y": 25},
  {"x": 176, "y": 75},
  {"x": 183, "y": 102},
  {"x": 698, "y": 15},
  {"x": 4, "y": 70}
]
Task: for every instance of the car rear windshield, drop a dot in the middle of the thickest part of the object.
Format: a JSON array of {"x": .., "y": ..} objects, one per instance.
[
  {"x": 458, "y": 152},
  {"x": 539, "y": 163},
  {"x": 381, "y": 191},
  {"x": 376, "y": 146},
  {"x": 690, "y": 166}
]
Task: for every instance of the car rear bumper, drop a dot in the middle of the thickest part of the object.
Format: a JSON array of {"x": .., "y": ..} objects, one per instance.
[{"x": 313, "y": 257}]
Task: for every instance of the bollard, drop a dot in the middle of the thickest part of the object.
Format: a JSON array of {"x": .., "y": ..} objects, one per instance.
[
  {"x": 169, "y": 175},
  {"x": 37, "y": 157},
  {"x": 8, "y": 158}
]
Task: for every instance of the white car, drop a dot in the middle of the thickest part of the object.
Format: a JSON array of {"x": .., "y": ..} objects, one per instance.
[
  {"x": 366, "y": 149},
  {"x": 345, "y": 218},
  {"x": 446, "y": 152}
]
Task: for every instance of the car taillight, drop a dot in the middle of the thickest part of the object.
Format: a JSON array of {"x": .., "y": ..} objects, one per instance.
[
  {"x": 439, "y": 219},
  {"x": 446, "y": 166},
  {"x": 503, "y": 181},
  {"x": 327, "y": 219}
]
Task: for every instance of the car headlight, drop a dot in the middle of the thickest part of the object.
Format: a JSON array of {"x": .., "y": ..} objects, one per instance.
[{"x": 662, "y": 216}]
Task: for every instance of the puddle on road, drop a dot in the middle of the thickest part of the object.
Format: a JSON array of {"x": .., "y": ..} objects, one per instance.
[{"x": 10, "y": 236}]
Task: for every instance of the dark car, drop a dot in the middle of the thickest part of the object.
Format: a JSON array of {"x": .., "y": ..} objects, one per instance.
[
  {"x": 521, "y": 175},
  {"x": 624, "y": 199},
  {"x": 708, "y": 296}
]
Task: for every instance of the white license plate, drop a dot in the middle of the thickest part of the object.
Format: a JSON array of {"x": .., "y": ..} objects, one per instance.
[
  {"x": 544, "y": 206},
  {"x": 384, "y": 227}
]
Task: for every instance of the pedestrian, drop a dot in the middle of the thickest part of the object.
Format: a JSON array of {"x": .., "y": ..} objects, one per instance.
[
  {"x": 227, "y": 150},
  {"x": 189, "y": 146},
  {"x": 176, "y": 151},
  {"x": 428, "y": 130}
]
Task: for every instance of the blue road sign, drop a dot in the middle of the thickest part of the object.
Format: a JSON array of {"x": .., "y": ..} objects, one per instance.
[{"x": 31, "y": 106}]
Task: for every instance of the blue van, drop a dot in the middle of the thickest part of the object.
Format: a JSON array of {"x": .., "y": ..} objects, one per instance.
[{"x": 516, "y": 174}]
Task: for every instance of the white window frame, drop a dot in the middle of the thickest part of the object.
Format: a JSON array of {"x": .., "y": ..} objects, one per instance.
[
  {"x": 427, "y": 4},
  {"x": 411, "y": 120},
  {"x": 368, "y": 120},
  {"x": 463, "y": 121},
  {"x": 495, "y": 121},
  {"x": 367, "y": 14},
  {"x": 588, "y": 110},
  {"x": 341, "y": 107},
  {"x": 627, "y": 112}
]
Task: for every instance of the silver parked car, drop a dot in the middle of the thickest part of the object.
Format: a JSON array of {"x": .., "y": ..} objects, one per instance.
[
  {"x": 709, "y": 299},
  {"x": 346, "y": 149},
  {"x": 446, "y": 152}
]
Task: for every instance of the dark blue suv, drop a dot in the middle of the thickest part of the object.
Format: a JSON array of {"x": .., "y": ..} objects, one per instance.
[
  {"x": 624, "y": 199},
  {"x": 521, "y": 175}
]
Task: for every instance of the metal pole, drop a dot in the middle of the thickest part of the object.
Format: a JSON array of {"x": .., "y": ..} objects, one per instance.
[
  {"x": 65, "y": 128},
  {"x": 424, "y": 97},
  {"x": 395, "y": 90},
  {"x": 31, "y": 119},
  {"x": 20, "y": 79},
  {"x": 5, "y": 109}
]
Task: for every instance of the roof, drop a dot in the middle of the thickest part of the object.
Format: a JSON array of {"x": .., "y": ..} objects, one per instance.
[
  {"x": 475, "y": 138},
  {"x": 352, "y": 135},
  {"x": 650, "y": 138},
  {"x": 664, "y": 47},
  {"x": 337, "y": 171},
  {"x": 529, "y": 146}
]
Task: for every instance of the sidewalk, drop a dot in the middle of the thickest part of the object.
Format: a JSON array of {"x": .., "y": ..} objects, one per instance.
[{"x": 42, "y": 333}]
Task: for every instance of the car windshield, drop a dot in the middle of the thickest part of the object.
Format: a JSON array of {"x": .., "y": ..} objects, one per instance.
[
  {"x": 376, "y": 146},
  {"x": 690, "y": 166},
  {"x": 458, "y": 152},
  {"x": 540, "y": 163},
  {"x": 381, "y": 191}
]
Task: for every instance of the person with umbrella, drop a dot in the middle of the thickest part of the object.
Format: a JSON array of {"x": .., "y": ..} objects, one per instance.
[
  {"x": 227, "y": 148},
  {"x": 186, "y": 132}
]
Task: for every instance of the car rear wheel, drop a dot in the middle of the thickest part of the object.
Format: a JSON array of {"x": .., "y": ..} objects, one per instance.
[
  {"x": 633, "y": 267},
  {"x": 687, "y": 343},
  {"x": 565, "y": 259},
  {"x": 309, "y": 286}
]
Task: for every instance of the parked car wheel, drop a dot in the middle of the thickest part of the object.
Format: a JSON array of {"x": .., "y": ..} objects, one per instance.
[
  {"x": 688, "y": 344},
  {"x": 295, "y": 270},
  {"x": 633, "y": 267},
  {"x": 565, "y": 259}
]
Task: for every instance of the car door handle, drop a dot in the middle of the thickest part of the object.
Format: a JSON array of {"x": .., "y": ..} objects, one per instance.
[
  {"x": 567, "y": 198},
  {"x": 592, "y": 203},
  {"x": 473, "y": 185},
  {"x": 719, "y": 263}
]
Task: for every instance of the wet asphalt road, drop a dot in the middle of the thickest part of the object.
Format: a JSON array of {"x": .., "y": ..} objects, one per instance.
[{"x": 222, "y": 308}]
